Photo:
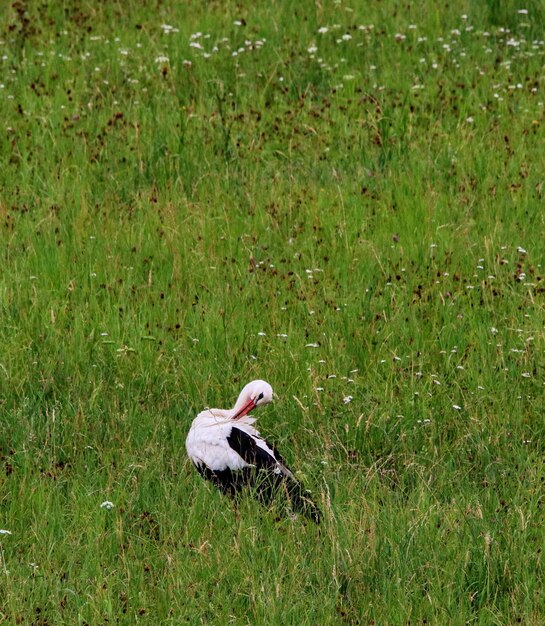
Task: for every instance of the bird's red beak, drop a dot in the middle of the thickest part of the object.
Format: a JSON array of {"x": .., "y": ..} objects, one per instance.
[{"x": 245, "y": 410}]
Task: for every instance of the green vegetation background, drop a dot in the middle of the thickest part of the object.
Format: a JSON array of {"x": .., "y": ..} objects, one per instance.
[{"x": 345, "y": 199}]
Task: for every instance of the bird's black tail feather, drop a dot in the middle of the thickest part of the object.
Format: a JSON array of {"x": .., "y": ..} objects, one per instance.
[
  {"x": 269, "y": 486},
  {"x": 302, "y": 502},
  {"x": 266, "y": 486}
]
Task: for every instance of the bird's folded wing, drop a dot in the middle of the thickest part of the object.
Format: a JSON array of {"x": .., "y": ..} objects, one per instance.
[{"x": 256, "y": 451}]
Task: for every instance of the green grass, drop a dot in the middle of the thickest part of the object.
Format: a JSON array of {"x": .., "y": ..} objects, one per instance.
[{"x": 375, "y": 190}]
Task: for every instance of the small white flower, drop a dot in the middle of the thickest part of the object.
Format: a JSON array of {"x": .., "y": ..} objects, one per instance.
[
  {"x": 457, "y": 407},
  {"x": 5, "y": 532},
  {"x": 261, "y": 334},
  {"x": 522, "y": 11},
  {"x": 347, "y": 399},
  {"x": 526, "y": 374},
  {"x": 521, "y": 250},
  {"x": 161, "y": 59},
  {"x": 107, "y": 505},
  {"x": 323, "y": 30},
  {"x": 494, "y": 330},
  {"x": 312, "y": 345}
]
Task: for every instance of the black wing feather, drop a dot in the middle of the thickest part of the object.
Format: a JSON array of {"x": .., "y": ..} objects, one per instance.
[
  {"x": 245, "y": 445},
  {"x": 272, "y": 478}
]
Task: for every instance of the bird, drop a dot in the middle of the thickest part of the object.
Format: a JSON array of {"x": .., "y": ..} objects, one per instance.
[{"x": 227, "y": 449}]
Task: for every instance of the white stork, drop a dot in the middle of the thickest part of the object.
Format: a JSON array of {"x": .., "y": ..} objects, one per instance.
[{"x": 228, "y": 450}]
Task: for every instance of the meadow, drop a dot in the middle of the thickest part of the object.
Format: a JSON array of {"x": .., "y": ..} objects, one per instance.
[{"x": 345, "y": 199}]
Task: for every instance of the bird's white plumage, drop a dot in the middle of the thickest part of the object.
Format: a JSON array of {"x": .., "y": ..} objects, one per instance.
[{"x": 207, "y": 444}]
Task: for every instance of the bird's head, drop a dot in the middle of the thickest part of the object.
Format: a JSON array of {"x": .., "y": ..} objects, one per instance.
[{"x": 254, "y": 394}]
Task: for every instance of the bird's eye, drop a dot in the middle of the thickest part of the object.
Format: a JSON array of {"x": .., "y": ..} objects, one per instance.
[{"x": 260, "y": 396}]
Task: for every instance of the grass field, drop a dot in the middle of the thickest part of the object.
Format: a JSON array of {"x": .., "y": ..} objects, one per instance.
[{"x": 345, "y": 199}]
